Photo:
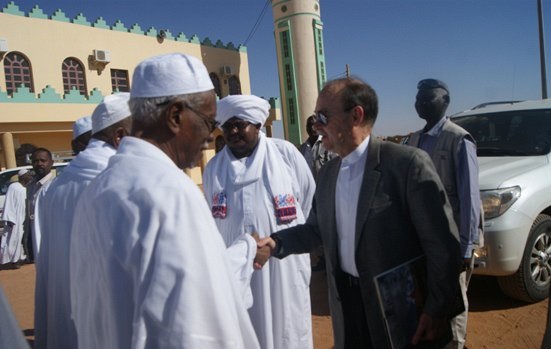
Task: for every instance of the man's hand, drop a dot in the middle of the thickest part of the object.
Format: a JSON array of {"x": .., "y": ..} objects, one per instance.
[
  {"x": 264, "y": 250},
  {"x": 428, "y": 329}
]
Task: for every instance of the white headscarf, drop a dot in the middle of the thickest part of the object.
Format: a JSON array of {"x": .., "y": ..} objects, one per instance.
[{"x": 246, "y": 107}]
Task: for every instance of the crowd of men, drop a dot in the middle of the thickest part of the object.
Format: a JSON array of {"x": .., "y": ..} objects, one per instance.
[{"x": 130, "y": 253}]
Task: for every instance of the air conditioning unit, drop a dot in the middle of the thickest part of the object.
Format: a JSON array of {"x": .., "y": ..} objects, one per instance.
[
  {"x": 102, "y": 56},
  {"x": 3, "y": 45},
  {"x": 226, "y": 70}
]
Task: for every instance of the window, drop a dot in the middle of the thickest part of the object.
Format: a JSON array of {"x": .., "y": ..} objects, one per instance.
[
  {"x": 216, "y": 82},
  {"x": 119, "y": 80},
  {"x": 73, "y": 75},
  {"x": 235, "y": 85},
  {"x": 18, "y": 72}
]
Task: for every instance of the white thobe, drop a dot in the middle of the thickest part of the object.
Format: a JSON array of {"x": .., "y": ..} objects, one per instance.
[
  {"x": 148, "y": 266},
  {"x": 11, "y": 248},
  {"x": 33, "y": 190},
  {"x": 281, "y": 311},
  {"x": 55, "y": 206}
]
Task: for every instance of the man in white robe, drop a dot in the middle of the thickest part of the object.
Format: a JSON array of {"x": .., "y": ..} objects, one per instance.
[
  {"x": 82, "y": 134},
  {"x": 148, "y": 266},
  {"x": 260, "y": 184},
  {"x": 54, "y": 327},
  {"x": 13, "y": 216}
]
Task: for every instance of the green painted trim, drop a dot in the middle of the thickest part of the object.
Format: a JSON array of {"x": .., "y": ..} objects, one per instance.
[
  {"x": 152, "y": 31},
  {"x": 280, "y": 3},
  {"x": 195, "y": 40},
  {"x": 12, "y": 9},
  {"x": 4, "y": 97},
  {"x": 36, "y": 12},
  {"x": 80, "y": 19},
  {"x": 275, "y": 102},
  {"x": 136, "y": 29},
  {"x": 182, "y": 37},
  {"x": 60, "y": 16},
  {"x": 168, "y": 35},
  {"x": 284, "y": 24},
  {"x": 23, "y": 95},
  {"x": 320, "y": 56},
  {"x": 95, "y": 96},
  {"x": 74, "y": 96},
  {"x": 119, "y": 26},
  {"x": 49, "y": 95},
  {"x": 290, "y": 112},
  {"x": 101, "y": 23}
]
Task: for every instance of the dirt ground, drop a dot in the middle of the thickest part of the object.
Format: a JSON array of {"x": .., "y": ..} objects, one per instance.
[{"x": 495, "y": 321}]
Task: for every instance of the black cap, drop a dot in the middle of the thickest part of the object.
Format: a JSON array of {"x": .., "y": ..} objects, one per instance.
[{"x": 432, "y": 83}]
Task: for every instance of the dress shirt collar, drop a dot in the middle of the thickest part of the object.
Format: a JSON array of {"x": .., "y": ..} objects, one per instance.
[{"x": 356, "y": 155}]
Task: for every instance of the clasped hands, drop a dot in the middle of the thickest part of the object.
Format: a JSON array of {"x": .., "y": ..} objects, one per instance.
[{"x": 264, "y": 250}]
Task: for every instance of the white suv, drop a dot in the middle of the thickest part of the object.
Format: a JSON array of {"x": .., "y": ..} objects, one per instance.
[{"x": 513, "y": 145}]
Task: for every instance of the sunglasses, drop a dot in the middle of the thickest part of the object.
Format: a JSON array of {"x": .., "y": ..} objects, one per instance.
[
  {"x": 239, "y": 125},
  {"x": 323, "y": 119}
]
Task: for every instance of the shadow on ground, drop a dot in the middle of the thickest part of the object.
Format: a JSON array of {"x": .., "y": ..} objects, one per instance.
[{"x": 485, "y": 295}]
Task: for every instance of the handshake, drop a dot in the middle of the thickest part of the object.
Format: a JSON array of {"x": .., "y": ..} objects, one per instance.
[{"x": 264, "y": 250}]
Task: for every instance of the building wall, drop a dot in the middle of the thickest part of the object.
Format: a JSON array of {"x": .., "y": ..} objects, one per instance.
[{"x": 44, "y": 117}]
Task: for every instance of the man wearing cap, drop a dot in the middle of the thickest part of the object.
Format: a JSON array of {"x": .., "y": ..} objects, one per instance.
[
  {"x": 148, "y": 266},
  {"x": 54, "y": 327},
  {"x": 453, "y": 152},
  {"x": 82, "y": 133},
  {"x": 260, "y": 184},
  {"x": 13, "y": 217}
]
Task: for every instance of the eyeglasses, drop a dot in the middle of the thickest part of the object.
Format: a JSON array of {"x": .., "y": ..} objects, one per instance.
[
  {"x": 239, "y": 125},
  {"x": 211, "y": 124}
]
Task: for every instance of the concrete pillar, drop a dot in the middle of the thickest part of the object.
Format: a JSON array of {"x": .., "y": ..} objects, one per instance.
[{"x": 9, "y": 149}]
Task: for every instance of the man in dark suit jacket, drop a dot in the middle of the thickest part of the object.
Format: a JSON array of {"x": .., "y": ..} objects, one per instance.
[{"x": 376, "y": 206}]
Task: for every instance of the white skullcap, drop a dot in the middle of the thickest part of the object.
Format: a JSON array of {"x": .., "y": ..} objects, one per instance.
[
  {"x": 112, "y": 109},
  {"x": 81, "y": 126},
  {"x": 22, "y": 172},
  {"x": 246, "y": 107},
  {"x": 170, "y": 75}
]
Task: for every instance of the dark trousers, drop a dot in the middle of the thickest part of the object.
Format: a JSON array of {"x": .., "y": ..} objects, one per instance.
[
  {"x": 27, "y": 241},
  {"x": 356, "y": 332}
]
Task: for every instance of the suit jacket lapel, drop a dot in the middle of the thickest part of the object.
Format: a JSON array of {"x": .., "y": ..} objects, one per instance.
[
  {"x": 369, "y": 186},
  {"x": 333, "y": 238}
]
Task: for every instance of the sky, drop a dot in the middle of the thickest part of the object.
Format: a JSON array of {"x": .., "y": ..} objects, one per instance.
[{"x": 485, "y": 50}]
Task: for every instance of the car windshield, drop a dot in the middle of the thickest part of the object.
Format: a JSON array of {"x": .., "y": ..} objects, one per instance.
[{"x": 511, "y": 133}]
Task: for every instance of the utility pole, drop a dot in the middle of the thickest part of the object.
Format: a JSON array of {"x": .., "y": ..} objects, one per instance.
[
  {"x": 542, "y": 52},
  {"x": 347, "y": 70}
]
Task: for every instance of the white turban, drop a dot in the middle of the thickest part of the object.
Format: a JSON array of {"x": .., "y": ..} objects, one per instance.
[
  {"x": 246, "y": 107},
  {"x": 22, "y": 172},
  {"x": 170, "y": 75},
  {"x": 81, "y": 126},
  {"x": 112, "y": 109}
]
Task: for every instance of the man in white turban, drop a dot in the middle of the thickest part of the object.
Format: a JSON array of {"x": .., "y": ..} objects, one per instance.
[
  {"x": 13, "y": 216},
  {"x": 54, "y": 327},
  {"x": 82, "y": 133},
  {"x": 148, "y": 266},
  {"x": 260, "y": 184}
]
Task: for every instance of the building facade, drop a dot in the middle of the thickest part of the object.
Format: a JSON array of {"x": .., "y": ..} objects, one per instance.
[{"x": 56, "y": 70}]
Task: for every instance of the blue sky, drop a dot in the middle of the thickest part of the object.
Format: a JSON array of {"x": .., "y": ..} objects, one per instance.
[{"x": 485, "y": 50}]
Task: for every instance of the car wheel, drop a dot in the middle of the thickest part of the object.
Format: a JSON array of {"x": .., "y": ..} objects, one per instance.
[{"x": 531, "y": 282}]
